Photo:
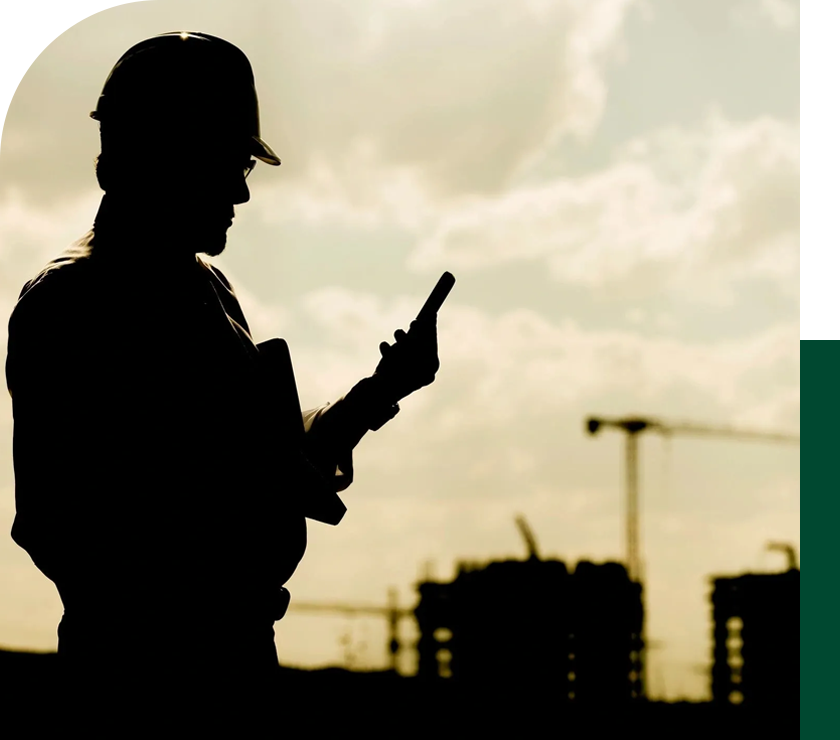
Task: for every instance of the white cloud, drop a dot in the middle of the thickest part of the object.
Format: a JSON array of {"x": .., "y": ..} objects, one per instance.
[
  {"x": 264, "y": 320},
  {"x": 448, "y": 100},
  {"x": 521, "y": 363},
  {"x": 529, "y": 365},
  {"x": 781, "y": 14},
  {"x": 781, "y": 409},
  {"x": 26, "y": 227},
  {"x": 696, "y": 211},
  {"x": 359, "y": 189},
  {"x": 460, "y": 93},
  {"x": 30, "y": 236},
  {"x": 514, "y": 364}
]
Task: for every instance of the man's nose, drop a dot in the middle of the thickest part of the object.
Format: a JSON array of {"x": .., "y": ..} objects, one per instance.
[{"x": 241, "y": 193}]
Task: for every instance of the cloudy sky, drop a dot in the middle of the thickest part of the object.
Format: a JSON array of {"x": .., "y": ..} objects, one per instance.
[{"x": 615, "y": 185}]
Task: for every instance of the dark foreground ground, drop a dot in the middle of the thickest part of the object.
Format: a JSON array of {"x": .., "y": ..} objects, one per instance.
[{"x": 381, "y": 704}]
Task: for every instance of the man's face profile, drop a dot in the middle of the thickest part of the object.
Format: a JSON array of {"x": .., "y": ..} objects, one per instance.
[
  {"x": 203, "y": 195},
  {"x": 179, "y": 123},
  {"x": 190, "y": 199}
]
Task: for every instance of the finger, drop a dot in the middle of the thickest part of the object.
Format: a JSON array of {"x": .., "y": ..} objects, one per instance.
[
  {"x": 384, "y": 347},
  {"x": 399, "y": 335}
]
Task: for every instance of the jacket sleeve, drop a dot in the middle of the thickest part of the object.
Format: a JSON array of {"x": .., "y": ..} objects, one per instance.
[
  {"x": 334, "y": 429},
  {"x": 340, "y": 460}
]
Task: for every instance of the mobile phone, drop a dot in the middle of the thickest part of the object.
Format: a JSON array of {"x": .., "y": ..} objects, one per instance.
[{"x": 437, "y": 296}]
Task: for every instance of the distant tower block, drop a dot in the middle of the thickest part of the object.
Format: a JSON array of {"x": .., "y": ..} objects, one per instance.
[
  {"x": 534, "y": 629},
  {"x": 756, "y": 640},
  {"x": 607, "y": 642}
]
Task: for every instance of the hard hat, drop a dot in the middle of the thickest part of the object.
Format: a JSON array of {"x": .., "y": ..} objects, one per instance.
[{"x": 185, "y": 84}]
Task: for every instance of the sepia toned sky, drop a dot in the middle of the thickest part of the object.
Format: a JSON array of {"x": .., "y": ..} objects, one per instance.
[{"x": 614, "y": 184}]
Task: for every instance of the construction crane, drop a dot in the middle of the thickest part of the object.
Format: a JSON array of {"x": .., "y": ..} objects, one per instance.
[
  {"x": 393, "y": 612},
  {"x": 633, "y": 427},
  {"x": 788, "y": 550},
  {"x": 528, "y": 536}
]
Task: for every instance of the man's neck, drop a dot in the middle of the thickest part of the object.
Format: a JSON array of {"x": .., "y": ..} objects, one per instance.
[{"x": 131, "y": 228}]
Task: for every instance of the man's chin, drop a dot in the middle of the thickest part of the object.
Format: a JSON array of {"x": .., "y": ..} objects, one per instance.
[
  {"x": 210, "y": 244},
  {"x": 213, "y": 251}
]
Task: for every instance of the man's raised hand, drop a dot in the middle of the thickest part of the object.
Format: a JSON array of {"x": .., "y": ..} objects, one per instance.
[{"x": 412, "y": 361}]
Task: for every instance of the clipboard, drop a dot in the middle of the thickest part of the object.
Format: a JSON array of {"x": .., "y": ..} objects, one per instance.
[{"x": 315, "y": 492}]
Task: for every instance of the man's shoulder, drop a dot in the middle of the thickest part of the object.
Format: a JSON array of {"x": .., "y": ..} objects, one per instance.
[{"x": 60, "y": 288}]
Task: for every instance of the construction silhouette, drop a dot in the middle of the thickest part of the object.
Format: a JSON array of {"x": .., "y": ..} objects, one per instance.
[
  {"x": 633, "y": 427},
  {"x": 392, "y": 612},
  {"x": 756, "y": 638},
  {"x": 534, "y": 629},
  {"x": 537, "y": 643}
]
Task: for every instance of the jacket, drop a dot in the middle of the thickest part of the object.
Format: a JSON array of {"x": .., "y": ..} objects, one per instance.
[{"x": 147, "y": 469}]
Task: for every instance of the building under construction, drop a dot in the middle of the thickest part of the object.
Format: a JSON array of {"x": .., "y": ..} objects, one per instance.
[
  {"x": 756, "y": 640},
  {"x": 534, "y": 628}
]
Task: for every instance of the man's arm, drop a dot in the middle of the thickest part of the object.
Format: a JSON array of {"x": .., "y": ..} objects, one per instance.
[
  {"x": 335, "y": 429},
  {"x": 411, "y": 363},
  {"x": 58, "y": 427}
]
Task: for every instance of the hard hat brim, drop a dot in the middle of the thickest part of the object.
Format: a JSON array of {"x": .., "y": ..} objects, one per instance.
[{"x": 263, "y": 151}]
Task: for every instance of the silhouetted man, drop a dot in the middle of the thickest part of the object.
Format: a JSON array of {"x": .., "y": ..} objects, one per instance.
[{"x": 152, "y": 484}]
